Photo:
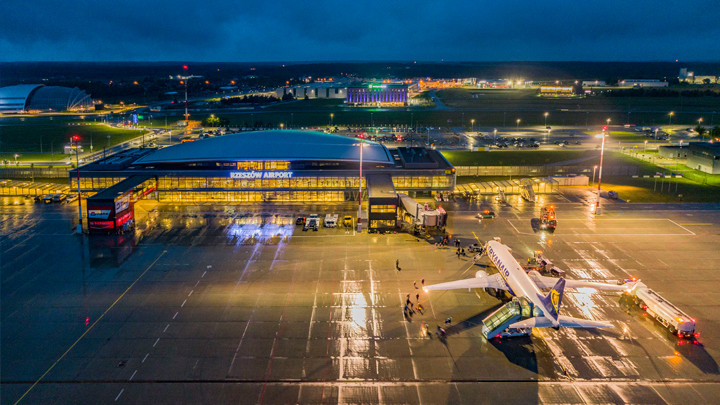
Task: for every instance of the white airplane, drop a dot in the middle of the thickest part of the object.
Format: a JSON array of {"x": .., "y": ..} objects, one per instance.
[{"x": 512, "y": 278}]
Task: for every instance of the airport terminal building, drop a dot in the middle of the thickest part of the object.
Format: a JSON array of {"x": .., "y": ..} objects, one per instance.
[{"x": 283, "y": 167}]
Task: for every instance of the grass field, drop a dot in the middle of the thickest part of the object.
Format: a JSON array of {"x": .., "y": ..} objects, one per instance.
[
  {"x": 534, "y": 158},
  {"x": 44, "y": 139}
]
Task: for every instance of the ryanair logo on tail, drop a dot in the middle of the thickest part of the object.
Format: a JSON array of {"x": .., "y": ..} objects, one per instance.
[{"x": 555, "y": 300}]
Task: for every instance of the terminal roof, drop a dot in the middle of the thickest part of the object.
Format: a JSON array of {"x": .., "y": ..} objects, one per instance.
[{"x": 271, "y": 145}]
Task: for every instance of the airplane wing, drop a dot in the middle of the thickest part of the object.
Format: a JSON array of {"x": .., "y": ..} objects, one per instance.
[
  {"x": 565, "y": 322},
  {"x": 493, "y": 281},
  {"x": 549, "y": 282}
]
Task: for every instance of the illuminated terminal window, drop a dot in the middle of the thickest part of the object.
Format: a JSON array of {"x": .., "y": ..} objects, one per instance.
[
  {"x": 382, "y": 209},
  {"x": 251, "y": 196},
  {"x": 260, "y": 165},
  {"x": 184, "y": 183}
]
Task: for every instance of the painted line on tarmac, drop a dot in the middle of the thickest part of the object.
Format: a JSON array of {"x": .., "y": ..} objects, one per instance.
[{"x": 91, "y": 327}]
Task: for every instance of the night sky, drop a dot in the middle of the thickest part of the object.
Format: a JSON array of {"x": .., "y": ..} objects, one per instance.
[{"x": 284, "y": 30}]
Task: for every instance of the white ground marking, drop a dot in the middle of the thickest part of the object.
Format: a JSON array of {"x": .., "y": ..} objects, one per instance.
[
  {"x": 132, "y": 376},
  {"x": 145, "y": 358},
  {"x": 118, "y": 395}
]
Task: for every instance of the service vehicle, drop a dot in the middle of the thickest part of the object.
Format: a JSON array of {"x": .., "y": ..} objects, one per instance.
[
  {"x": 330, "y": 221},
  {"x": 348, "y": 220},
  {"x": 667, "y": 314},
  {"x": 300, "y": 220},
  {"x": 485, "y": 214},
  {"x": 48, "y": 199},
  {"x": 59, "y": 197},
  {"x": 71, "y": 198},
  {"x": 548, "y": 220},
  {"x": 312, "y": 223}
]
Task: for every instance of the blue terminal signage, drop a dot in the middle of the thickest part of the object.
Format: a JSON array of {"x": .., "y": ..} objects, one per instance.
[{"x": 261, "y": 175}]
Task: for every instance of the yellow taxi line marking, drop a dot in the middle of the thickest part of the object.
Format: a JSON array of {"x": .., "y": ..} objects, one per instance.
[{"x": 89, "y": 329}]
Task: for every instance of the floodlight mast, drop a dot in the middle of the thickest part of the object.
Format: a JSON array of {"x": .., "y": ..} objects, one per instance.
[{"x": 76, "y": 139}]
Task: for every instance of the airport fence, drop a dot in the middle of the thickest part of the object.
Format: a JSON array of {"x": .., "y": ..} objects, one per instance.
[
  {"x": 33, "y": 172},
  {"x": 535, "y": 171}
]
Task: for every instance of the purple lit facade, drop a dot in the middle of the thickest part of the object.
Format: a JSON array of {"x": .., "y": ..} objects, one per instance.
[{"x": 378, "y": 94}]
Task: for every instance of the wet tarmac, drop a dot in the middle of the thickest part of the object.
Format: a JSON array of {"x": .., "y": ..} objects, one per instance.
[{"x": 239, "y": 305}]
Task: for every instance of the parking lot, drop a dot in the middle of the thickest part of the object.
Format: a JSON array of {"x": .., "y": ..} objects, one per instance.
[{"x": 238, "y": 304}]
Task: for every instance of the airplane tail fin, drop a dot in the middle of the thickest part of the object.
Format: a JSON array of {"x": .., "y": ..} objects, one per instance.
[{"x": 552, "y": 301}]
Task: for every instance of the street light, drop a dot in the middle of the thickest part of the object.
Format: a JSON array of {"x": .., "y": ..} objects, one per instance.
[
  {"x": 602, "y": 152},
  {"x": 670, "y": 115},
  {"x": 16, "y": 156},
  {"x": 517, "y": 122},
  {"x": 282, "y": 125},
  {"x": 472, "y": 125},
  {"x": 546, "y": 115},
  {"x": 645, "y": 147},
  {"x": 331, "y": 118},
  {"x": 594, "y": 168},
  {"x": 362, "y": 146},
  {"x": 76, "y": 139}
]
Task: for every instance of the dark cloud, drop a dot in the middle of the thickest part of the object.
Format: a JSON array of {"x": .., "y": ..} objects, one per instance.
[{"x": 283, "y": 30}]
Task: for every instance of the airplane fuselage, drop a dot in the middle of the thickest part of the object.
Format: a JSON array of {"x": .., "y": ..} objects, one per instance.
[{"x": 518, "y": 282}]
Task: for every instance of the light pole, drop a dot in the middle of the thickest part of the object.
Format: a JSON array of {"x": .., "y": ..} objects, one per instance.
[
  {"x": 472, "y": 125},
  {"x": 594, "y": 169},
  {"x": 372, "y": 121},
  {"x": 76, "y": 139},
  {"x": 645, "y": 147},
  {"x": 602, "y": 152},
  {"x": 546, "y": 115},
  {"x": 700, "y": 124},
  {"x": 517, "y": 122},
  {"x": 670, "y": 114},
  {"x": 331, "y": 118},
  {"x": 282, "y": 126},
  {"x": 16, "y": 156},
  {"x": 361, "y": 144},
  {"x": 187, "y": 117}
]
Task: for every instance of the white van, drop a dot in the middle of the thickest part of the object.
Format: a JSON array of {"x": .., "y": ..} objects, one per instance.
[{"x": 331, "y": 220}]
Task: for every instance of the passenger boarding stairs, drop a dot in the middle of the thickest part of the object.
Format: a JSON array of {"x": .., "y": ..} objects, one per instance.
[
  {"x": 496, "y": 324},
  {"x": 526, "y": 190}
]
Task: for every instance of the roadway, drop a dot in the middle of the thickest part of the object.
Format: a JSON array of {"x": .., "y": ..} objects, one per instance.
[{"x": 237, "y": 304}]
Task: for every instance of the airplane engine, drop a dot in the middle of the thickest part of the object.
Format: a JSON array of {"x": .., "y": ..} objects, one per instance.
[{"x": 480, "y": 274}]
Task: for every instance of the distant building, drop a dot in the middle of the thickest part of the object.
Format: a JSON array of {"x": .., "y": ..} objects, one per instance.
[
  {"x": 673, "y": 151},
  {"x": 378, "y": 94},
  {"x": 642, "y": 83},
  {"x": 314, "y": 90},
  {"x": 704, "y": 156},
  {"x": 560, "y": 91},
  {"x": 495, "y": 84},
  {"x": 690, "y": 77},
  {"x": 593, "y": 83},
  {"x": 37, "y": 97}
]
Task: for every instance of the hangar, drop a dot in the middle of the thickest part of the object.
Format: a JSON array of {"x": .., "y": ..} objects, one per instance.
[
  {"x": 37, "y": 97},
  {"x": 285, "y": 167}
]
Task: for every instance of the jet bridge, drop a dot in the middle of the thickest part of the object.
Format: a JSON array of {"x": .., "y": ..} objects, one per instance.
[
  {"x": 422, "y": 215},
  {"x": 496, "y": 324}
]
